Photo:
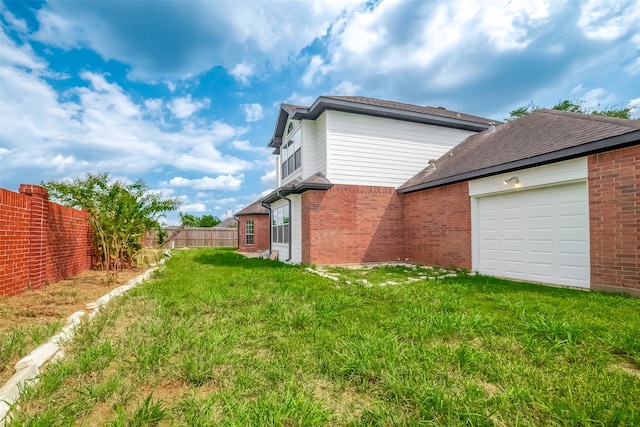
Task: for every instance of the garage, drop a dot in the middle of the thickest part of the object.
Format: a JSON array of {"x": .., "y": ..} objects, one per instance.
[{"x": 539, "y": 235}]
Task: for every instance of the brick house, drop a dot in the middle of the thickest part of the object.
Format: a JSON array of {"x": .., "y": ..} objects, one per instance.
[
  {"x": 552, "y": 197},
  {"x": 253, "y": 228},
  {"x": 339, "y": 162}
]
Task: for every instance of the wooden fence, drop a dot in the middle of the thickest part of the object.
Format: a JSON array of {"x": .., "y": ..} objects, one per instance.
[{"x": 195, "y": 237}]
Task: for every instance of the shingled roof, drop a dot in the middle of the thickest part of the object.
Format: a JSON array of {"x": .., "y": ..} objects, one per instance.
[
  {"x": 545, "y": 136},
  {"x": 298, "y": 186},
  {"x": 435, "y": 111},
  {"x": 438, "y": 116},
  {"x": 254, "y": 208}
]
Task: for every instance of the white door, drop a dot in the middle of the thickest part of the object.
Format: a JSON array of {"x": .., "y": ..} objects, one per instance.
[{"x": 539, "y": 235}]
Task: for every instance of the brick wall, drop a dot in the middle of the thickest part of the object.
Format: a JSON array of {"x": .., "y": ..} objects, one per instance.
[
  {"x": 40, "y": 242},
  {"x": 614, "y": 213},
  {"x": 351, "y": 224},
  {"x": 437, "y": 226},
  {"x": 15, "y": 214},
  {"x": 261, "y": 232}
]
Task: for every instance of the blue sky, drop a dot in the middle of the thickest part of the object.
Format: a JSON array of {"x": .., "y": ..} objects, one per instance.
[{"x": 185, "y": 94}]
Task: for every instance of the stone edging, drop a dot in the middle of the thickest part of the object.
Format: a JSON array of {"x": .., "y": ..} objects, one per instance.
[{"x": 28, "y": 368}]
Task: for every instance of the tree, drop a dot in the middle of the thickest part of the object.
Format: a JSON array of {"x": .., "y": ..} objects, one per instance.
[
  {"x": 120, "y": 215},
  {"x": 189, "y": 220},
  {"x": 209, "y": 221},
  {"x": 574, "y": 107}
]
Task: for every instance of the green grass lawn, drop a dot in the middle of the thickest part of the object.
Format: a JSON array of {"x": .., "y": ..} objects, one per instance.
[{"x": 217, "y": 339}]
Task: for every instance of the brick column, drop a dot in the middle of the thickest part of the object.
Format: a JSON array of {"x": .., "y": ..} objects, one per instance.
[{"x": 37, "y": 234}]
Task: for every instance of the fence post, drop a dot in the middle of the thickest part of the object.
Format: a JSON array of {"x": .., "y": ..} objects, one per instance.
[{"x": 37, "y": 233}]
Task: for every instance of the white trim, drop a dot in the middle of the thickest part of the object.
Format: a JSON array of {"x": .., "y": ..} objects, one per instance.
[{"x": 560, "y": 172}]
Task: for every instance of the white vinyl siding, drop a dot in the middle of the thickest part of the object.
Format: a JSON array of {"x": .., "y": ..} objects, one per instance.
[
  {"x": 296, "y": 229},
  {"x": 314, "y": 157},
  {"x": 364, "y": 150}
]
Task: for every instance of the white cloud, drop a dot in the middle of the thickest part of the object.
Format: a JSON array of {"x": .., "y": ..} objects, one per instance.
[
  {"x": 298, "y": 99},
  {"x": 253, "y": 112},
  {"x": 96, "y": 126},
  {"x": 19, "y": 56},
  {"x": 634, "y": 105},
  {"x": 193, "y": 207},
  {"x": 61, "y": 30},
  {"x": 242, "y": 145},
  {"x": 633, "y": 68},
  {"x": 242, "y": 72},
  {"x": 221, "y": 182},
  {"x": 597, "y": 98},
  {"x": 269, "y": 178},
  {"x": 316, "y": 66},
  {"x": 184, "y": 107},
  {"x": 205, "y": 157},
  {"x": 347, "y": 88},
  {"x": 417, "y": 49},
  {"x": 609, "y": 20},
  {"x": 204, "y": 34},
  {"x": 266, "y": 192},
  {"x": 153, "y": 104}
]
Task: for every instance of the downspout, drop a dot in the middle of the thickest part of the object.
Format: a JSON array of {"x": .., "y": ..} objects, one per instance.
[
  {"x": 290, "y": 226},
  {"x": 268, "y": 206}
]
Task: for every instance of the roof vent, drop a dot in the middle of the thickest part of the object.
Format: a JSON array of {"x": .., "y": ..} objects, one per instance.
[
  {"x": 441, "y": 107},
  {"x": 492, "y": 127}
]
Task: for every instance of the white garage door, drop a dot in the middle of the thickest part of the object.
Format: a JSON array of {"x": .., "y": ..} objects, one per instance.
[{"x": 539, "y": 235}]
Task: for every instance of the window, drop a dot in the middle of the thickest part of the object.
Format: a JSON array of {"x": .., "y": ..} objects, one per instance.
[
  {"x": 280, "y": 224},
  {"x": 248, "y": 232},
  {"x": 291, "y": 155}
]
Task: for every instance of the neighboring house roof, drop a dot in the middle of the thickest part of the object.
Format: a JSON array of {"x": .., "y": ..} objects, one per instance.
[
  {"x": 545, "y": 136},
  {"x": 230, "y": 222},
  {"x": 379, "y": 108},
  {"x": 298, "y": 186},
  {"x": 254, "y": 208}
]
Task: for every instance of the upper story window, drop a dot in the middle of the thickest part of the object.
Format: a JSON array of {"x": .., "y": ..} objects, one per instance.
[
  {"x": 291, "y": 155},
  {"x": 289, "y": 128}
]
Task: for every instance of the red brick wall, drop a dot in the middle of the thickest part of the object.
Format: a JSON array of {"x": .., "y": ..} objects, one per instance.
[
  {"x": 351, "y": 224},
  {"x": 261, "y": 233},
  {"x": 614, "y": 213},
  {"x": 437, "y": 226},
  {"x": 40, "y": 242},
  {"x": 15, "y": 214},
  {"x": 69, "y": 243}
]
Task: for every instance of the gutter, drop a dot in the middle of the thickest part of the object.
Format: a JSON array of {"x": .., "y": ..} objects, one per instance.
[{"x": 323, "y": 103}]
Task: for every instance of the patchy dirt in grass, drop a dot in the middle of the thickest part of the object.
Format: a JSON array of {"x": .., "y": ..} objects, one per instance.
[
  {"x": 53, "y": 303},
  {"x": 382, "y": 274},
  {"x": 630, "y": 368},
  {"x": 347, "y": 404}
]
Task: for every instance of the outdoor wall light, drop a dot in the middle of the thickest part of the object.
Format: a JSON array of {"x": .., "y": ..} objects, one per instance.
[{"x": 515, "y": 180}]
